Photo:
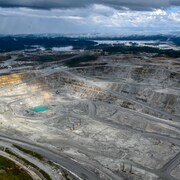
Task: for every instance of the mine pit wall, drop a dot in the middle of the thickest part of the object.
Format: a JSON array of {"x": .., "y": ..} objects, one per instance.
[
  {"x": 145, "y": 94},
  {"x": 145, "y": 81},
  {"x": 11, "y": 79},
  {"x": 152, "y": 74},
  {"x": 140, "y": 93},
  {"x": 57, "y": 81},
  {"x": 164, "y": 101}
]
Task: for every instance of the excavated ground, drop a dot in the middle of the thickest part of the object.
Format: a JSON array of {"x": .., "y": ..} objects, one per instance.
[{"x": 120, "y": 114}]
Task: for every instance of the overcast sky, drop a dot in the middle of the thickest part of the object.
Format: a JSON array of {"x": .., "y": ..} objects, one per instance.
[{"x": 89, "y": 16}]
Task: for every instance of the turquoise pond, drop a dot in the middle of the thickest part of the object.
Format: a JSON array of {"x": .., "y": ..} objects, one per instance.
[{"x": 40, "y": 109}]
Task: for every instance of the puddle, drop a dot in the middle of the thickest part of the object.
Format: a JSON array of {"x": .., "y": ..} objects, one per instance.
[{"x": 40, "y": 109}]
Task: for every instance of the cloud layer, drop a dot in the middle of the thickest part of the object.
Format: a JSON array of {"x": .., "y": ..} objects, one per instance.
[
  {"x": 93, "y": 19},
  {"x": 89, "y": 16},
  {"x": 118, "y": 4}
]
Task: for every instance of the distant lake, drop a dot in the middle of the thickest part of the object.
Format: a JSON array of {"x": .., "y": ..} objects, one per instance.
[
  {"x": 67, "y": 48},
  {"x": 122, "y": 41}
]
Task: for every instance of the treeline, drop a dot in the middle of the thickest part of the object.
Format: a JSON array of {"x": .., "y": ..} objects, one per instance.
[
  {"x": 167, "y": 38},
  {"x": 145, "y": 49},
  {"x": 76, "y": 61},
  {"x": 12, "y": 43}
]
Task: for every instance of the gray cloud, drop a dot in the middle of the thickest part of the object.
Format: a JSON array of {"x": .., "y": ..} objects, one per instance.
[
  {"x": 91, "y": 19},
  {"x": 175, "y": 2},
  {"x": 43, "y": 4},
  {"x": 118, "y": 4}
]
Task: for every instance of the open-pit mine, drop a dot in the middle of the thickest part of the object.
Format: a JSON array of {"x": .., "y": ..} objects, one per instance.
[{"x": 116, "y": 116}]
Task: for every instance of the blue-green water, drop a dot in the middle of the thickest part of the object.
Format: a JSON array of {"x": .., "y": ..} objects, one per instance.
[{"x": 40, "y": 109}]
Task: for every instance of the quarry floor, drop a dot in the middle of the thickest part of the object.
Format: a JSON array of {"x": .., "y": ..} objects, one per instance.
[{"x": 120, "y": 120}]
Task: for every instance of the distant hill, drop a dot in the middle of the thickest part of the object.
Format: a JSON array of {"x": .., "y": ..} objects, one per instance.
[
  {"x": 12, "y": 43},
  {"x": 21, "y": 42},
  {"x": 170, "y": 38}
]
